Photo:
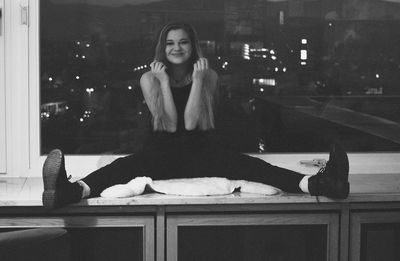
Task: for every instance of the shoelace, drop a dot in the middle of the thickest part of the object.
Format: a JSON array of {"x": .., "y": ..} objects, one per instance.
[{"x": 320, "y": 172}]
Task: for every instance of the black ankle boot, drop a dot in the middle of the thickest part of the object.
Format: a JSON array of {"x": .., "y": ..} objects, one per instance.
[
  {"x": 333, "y": 180},
  {"x": 58, "y": 191}
]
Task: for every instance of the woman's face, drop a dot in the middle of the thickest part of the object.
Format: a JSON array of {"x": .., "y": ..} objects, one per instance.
[{"x": 178, "y": 47}]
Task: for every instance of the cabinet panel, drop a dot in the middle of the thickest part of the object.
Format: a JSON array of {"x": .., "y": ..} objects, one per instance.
[
  {"x": 117, "y": 238},
  {"x": 375, "y": 236},
  {"x": 103, "y": 244},
  {"x": 253, "y": 237}
]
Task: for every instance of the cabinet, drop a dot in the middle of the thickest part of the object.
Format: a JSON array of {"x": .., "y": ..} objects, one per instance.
[
  {"x": 239, "y": 237},
  {"x": 239, "y": 226},
  {"x": 97, "y": 237}
]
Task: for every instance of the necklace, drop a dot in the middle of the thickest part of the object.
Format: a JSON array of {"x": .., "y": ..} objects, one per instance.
[{"x": 181, "y": 82}]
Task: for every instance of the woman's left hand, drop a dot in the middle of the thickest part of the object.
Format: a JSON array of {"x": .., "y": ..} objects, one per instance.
[{"x": 199, "y": 69}]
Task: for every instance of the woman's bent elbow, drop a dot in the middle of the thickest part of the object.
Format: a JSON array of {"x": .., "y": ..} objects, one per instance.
[
  {"x": 190, "y": 125},
  {"x": 171, "y": 129}
]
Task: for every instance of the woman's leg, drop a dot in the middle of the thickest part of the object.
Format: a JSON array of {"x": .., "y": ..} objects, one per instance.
[
  {"x": 331, "y": 181},
  {"x": 58, "y": 191},
  {"x": 237, "y": 166},
  {"x": 120, "y": 171}
]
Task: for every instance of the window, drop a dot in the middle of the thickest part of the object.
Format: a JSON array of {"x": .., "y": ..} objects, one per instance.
[{"x": 295, "y": 75}]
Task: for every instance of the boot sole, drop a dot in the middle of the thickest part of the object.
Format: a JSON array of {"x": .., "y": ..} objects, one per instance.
[
  {"x": 51, "y": 169},
  {"x": 343, "y": 191},
  {"x": 342, "y": 172}
]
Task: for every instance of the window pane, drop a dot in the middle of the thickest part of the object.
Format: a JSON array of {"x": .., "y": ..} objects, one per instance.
[{"x": 295, "y": 75}]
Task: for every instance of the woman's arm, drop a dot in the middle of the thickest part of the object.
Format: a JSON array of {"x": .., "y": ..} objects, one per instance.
[
  {"x": 150, "y": 82},
  {"x": 201, "y": 74}
]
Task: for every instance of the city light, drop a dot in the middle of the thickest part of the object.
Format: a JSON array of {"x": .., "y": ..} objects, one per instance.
[
  {"x": 273, "y": 57},
  {"x": 377, "y": 76},
  {"x": 50, "y": 79},
  {"x": 281, "y": 17},
  {"x": 264, "y": 82},
  {"x": 259, "y": 50},
  {"x": 276, "y": 69},
  {"x": 141, "y": 67},
  {"x": 45, "y": 115},
  {"x": 284, "y": 69},
  {"x": 83, "y": 57},
  {"x": 87, "y": 45},
  {"x": 129, "y": 87},
  {"x": 261, "y": 89},
  {"x": 78, "y": 43},
  {"x": 303, "y": 54},
  {"x": 87, "y": 114},
  {"x": 246, "y": 51},
  {"x": 77, "y": 77},
  {"x": 261, "y": 145},
  {"x": 89, "y": 90}
]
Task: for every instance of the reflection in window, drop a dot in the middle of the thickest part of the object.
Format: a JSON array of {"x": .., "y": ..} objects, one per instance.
[{"x": 295, "y": 75}]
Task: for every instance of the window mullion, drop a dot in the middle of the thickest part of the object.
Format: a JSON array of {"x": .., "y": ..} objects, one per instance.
[
  {"x": 34, "y": 87},
  {"x": 16, "y": 90},
  {"x": 2, "y": 94}
]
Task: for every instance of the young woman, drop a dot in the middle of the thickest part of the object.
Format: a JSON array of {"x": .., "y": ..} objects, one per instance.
[{"x": 181, "y": 91}]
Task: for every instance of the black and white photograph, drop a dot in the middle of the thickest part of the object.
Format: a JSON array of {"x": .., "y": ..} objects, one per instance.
[{"x": 200, "y": 130}]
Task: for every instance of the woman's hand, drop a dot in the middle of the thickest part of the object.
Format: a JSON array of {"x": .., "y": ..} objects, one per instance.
[
  {"x": 159, "y": 71},
  {"x": 199, "y": 69}
]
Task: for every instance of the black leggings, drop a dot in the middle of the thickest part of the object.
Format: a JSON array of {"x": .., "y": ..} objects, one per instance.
[{"x": 170, "y": 156}]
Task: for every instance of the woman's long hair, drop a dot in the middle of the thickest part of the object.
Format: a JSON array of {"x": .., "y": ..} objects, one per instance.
[{"x": 206, "y": 120}]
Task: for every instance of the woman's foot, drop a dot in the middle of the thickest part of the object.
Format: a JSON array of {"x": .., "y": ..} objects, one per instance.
[
  {"x": 333, "y": 180},
  {"x": 58, "y": 191}
]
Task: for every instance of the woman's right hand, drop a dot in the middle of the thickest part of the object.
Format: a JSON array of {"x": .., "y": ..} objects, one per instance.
[{"x": 159, "y": 71}]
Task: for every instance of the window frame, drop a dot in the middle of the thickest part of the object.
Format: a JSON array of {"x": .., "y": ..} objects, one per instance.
[
  {"x": 23, "y": 107},
  {"x": 2, "y": 94}
]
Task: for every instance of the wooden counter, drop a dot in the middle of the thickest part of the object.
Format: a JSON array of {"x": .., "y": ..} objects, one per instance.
[
  {"x": 374, "y": 198},
  {"x": 363, "y": 188}
]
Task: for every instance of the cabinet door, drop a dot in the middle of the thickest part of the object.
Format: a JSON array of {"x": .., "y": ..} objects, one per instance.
[
  {"x": 101, "y": 238},
  {"x": 375, "y": 236},
  {"x": 252, "y": 237}
]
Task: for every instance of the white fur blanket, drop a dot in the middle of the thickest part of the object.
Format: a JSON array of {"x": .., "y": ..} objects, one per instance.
[{"x": 207, "y": 186}]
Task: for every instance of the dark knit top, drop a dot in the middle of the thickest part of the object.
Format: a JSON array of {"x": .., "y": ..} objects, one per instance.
[{"x": 182, "y": 139}]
